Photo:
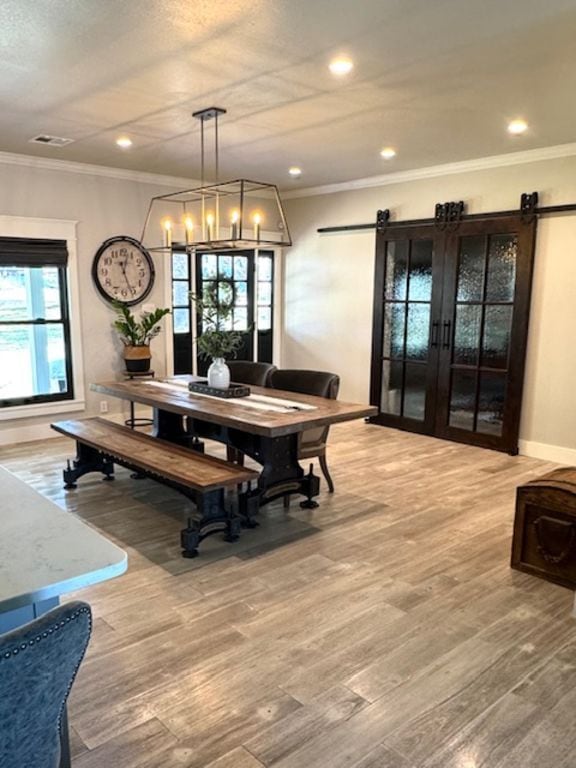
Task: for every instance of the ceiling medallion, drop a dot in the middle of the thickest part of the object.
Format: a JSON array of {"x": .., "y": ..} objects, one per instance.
[{"x": 218, "y": 216}]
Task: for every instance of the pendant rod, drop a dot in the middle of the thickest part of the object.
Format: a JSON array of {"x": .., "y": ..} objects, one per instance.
[
  {"x": 202, "y": 153},
  {"x": 546, "y": 210},
  {"x": 216, "y": 150}
]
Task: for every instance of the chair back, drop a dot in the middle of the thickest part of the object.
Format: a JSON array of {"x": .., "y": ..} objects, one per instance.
[
  {"x": 249, "y": 372},
  {"x": 318, "y": 383},
  {"x": 38, "y": 664}
]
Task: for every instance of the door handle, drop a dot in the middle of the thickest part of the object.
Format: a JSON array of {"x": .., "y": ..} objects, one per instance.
[
  {"x": 446, "y": 328},
  {"x": 435, "y": 333}
]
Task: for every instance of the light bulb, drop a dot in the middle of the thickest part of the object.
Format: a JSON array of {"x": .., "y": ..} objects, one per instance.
[
  {"x": 341, "y": 65},
  {"x": 517, "y": 127}
]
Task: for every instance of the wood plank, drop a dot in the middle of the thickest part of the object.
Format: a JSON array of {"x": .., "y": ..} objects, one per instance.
[
  {"x": 323, "y": 713},
  {"x": 238, "y": 758},
  {"x": 189, "y": 468},
  {"x": 145, "y": 746},
  {"x": 233, "y": 414}
]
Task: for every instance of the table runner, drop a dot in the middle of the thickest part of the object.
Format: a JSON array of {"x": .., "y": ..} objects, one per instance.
[{"x": 258, "y": 402}]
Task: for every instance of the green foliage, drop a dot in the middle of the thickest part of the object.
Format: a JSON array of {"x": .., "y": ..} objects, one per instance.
[
  {"x": 137, "y": 333},
  {"x": 215, "y": 309}
]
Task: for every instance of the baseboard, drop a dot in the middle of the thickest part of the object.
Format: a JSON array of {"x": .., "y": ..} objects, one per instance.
[
  {"x": 18, "y": 435},
  {"x": 556, "y": 453},
  {"x": 34, "y": 432}
]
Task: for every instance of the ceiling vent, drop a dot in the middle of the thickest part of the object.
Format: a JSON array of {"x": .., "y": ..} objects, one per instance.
[{"x": 52, "y": 141}]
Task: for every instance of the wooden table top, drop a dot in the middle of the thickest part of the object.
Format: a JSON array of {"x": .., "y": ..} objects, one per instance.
[{"x": 231, "y": 413}]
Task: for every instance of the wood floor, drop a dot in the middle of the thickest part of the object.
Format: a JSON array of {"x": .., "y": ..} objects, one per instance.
[{"x": 394, "y": 637}]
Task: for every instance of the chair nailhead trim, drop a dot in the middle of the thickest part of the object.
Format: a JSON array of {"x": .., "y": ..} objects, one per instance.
[{"x": 49, "y": 631}]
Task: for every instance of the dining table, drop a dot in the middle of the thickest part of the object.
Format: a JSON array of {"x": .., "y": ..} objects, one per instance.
[{"x": 264, "y": 425}]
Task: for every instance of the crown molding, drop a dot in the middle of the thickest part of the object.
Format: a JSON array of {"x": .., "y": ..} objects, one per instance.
[
  {"x": 86, "y": 169},
  {"x": 433, "y": 171}
]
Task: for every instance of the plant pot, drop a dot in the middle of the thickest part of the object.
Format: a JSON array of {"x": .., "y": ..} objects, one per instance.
[
  {"x": 219, "y": 374},
  {"x": 137, "y": 359}
]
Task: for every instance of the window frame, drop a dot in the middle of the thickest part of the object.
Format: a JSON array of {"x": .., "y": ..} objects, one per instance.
[{"x": 40, "y": 405}]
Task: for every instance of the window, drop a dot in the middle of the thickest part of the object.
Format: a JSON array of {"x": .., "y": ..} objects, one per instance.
[
  {"x": 35, "y": 347},
  {"x": 253, "y": 276},
  {"x": 181, "y": 315}
]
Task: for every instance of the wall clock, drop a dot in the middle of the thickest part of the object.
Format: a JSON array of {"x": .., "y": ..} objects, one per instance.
[{"x": 123, "y": 270}]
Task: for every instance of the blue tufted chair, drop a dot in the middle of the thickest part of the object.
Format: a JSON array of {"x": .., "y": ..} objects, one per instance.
[{"x": 38, "y": 664}]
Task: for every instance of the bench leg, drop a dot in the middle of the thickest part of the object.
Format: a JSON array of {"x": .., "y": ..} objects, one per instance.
[
  {"x": 211, "y": 517},
  {"x": 87, "y": 460}
]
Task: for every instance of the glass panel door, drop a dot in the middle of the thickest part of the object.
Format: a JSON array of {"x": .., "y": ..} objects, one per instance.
[
  {"x": 254, "y": 307},
  {"x": 406, "y": 336},
  {"x": 482, "y": 316},
  {"x": 236, "y": 268}
]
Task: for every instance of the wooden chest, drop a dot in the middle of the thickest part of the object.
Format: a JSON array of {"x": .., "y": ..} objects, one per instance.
[{"x": 544, "y": 542}]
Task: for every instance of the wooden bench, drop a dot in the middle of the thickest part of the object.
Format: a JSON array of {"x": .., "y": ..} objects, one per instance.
[{"x": 201, "y": 478}]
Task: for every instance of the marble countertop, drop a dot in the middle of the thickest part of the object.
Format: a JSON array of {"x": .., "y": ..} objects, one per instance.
[{"x": 45, "y": 551}]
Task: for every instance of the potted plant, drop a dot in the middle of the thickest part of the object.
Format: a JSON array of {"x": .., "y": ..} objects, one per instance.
[
  {"x": 217, "y": 341},
  {"x": 136, "y": 335}
]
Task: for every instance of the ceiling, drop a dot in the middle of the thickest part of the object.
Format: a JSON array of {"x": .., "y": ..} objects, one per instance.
[{"x": 436, "y": 79}]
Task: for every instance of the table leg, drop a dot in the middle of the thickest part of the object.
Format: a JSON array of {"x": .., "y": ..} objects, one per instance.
[
  {"x": 281, "y": 473},
  {"x": 171, "y": 427}
]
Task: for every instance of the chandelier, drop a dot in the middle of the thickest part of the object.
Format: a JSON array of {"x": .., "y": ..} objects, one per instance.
[{"x": 218, "y": 216}]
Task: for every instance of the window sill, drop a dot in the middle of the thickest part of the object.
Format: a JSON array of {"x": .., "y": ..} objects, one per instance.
[{"x": 41, "y": 409}]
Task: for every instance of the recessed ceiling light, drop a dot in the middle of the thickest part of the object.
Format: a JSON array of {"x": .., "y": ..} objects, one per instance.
[
  {"x": 516, "y": 127},
  {"x": 124, "y": 142},
  {"x": 388, "y": 153},
  {"x": 342, "y": 65},
  {"x": 295, "y": 171}
]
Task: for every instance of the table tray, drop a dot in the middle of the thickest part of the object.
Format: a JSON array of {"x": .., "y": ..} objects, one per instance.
[{"x": 234, "y": 390}]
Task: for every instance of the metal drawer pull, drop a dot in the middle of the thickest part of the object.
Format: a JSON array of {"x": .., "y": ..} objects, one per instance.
[{"x": 541, "y": 524}]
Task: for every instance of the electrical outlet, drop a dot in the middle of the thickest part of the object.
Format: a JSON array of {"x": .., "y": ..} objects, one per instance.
[{"x": 103, "y": 406}]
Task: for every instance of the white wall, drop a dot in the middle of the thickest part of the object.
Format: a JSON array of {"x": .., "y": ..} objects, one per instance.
[
  {"x": 103, "y": 207},
  {"x": 329, "y": 286}
]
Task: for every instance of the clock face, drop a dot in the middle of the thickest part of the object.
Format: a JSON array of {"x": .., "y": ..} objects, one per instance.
[{"x": 123, "y": 270}]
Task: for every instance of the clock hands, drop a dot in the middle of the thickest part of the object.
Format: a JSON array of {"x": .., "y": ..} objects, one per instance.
[{"x": 123, "y": 268}]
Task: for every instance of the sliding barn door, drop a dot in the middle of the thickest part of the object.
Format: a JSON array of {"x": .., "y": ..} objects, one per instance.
[
  {"x": 407, "y": 303},
  {"x": 450, "y": 329},
  {"x": 487, "y": 283}
]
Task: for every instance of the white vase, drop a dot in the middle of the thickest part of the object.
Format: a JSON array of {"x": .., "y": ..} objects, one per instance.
[{"x": 219, "y": 374}]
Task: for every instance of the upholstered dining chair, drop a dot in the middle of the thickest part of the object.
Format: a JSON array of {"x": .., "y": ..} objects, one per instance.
[
  {"x": 249, "y": 372},
  {"x": 38, "y": 664},
  {"x": 312, "y": 442}
]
